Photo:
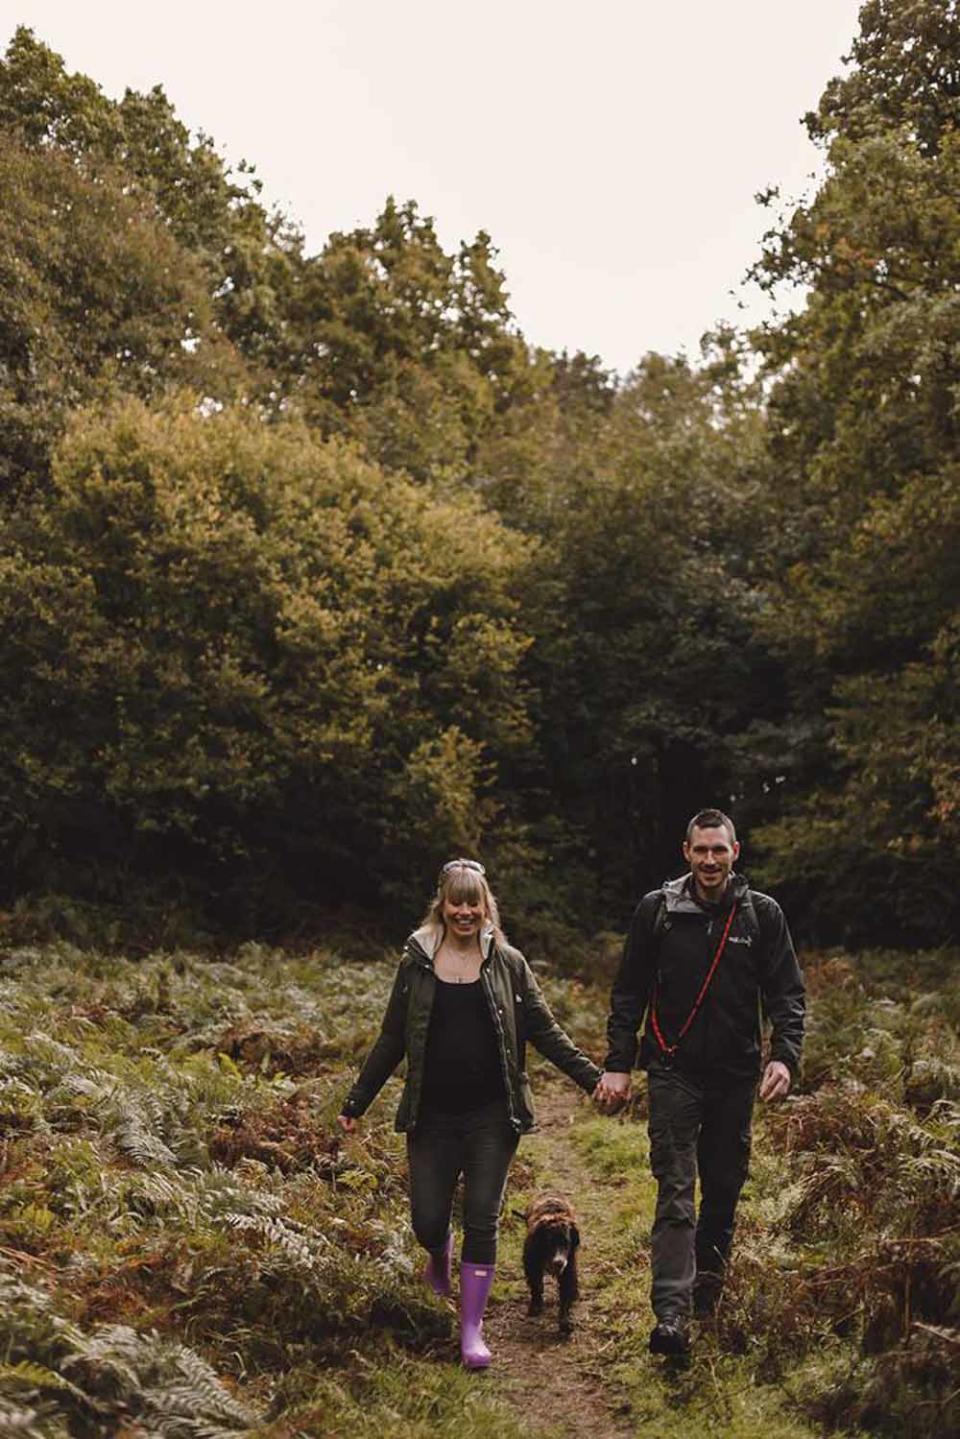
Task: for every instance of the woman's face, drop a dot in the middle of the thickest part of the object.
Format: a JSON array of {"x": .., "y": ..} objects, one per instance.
[{"x": 463, "y": 917}]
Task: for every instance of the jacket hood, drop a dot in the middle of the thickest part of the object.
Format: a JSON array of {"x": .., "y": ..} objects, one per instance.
[
  {"x": 425, "y": 941},
  {"x": 679, "y": 897}
]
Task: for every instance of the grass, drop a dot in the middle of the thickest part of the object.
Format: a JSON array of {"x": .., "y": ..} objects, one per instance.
[{"x": 391, "y": 1394}]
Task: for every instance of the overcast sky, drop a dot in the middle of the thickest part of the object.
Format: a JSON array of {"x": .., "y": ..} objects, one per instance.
[{"x": 612, "y": 148}]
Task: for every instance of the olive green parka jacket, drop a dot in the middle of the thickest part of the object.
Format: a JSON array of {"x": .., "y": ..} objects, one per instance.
[{"x": 519, "y": 1013}]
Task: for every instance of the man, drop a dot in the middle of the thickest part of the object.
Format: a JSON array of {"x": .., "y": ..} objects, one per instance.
[{"x": 704, "y": 956}]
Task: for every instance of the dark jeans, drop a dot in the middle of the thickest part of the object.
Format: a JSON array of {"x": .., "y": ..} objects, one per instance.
[
  {"x": 479, "y": 1145},
  {"x": 695, "y": 1128}
]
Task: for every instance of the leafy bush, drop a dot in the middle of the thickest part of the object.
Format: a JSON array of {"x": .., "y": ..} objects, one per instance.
[{"x": 237, "y": 651}]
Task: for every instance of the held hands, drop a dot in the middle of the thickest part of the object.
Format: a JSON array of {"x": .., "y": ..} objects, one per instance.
[
  {"x": 776, "y": 1080},
  {"x": 613, "y": 1089}
]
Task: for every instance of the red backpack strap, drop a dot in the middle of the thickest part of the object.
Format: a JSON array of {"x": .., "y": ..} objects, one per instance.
[{"x": 669, "y": 1050}]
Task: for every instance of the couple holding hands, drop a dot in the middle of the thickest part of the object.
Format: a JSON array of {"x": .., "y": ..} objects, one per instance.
[{"x": 704, "y": 958}]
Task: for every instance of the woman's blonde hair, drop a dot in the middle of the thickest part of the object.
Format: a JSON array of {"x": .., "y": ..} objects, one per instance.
[{"x": 464, "y": 881}]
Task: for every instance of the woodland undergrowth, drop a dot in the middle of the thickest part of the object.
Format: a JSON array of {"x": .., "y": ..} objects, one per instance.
[{"x": 188, "y": 1246}]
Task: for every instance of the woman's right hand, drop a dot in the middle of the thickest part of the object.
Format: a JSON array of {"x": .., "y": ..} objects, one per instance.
[
  {"x": 613, "y": 1090},
  {"x": 347, "y": 1123}
]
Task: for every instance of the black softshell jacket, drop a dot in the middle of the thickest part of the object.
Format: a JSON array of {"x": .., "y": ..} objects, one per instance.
[{"x": 666, "y": 958}]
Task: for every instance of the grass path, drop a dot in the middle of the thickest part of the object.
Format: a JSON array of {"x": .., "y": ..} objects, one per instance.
[
  {"x": 559, "y": 1382},
  {"x": 602, "y": 1383}
]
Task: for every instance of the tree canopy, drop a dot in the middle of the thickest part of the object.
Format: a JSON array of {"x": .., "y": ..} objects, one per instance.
[{"x": 313, "y": 568}]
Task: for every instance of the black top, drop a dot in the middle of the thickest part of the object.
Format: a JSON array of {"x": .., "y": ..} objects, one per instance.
[{"x": 462, "y": 1068}]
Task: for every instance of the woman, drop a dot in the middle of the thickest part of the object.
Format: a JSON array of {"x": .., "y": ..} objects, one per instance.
[{"x": 463, "y": 1005}]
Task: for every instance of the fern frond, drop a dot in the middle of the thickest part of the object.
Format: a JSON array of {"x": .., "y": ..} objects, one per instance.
[
  {"x": 304, "y": 1250},
  {"x": 135, "y": 1140},
  {"x": 198, "y": 1371},
  {"x": 32, "y": 1376},
  {"x": 200, "y": 1397},
  {"x": 15, "y": 1420},
  {"x": 114, "y": 1349}
]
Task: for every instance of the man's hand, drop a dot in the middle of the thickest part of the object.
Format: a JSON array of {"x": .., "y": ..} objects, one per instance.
[
  {"x": 347, "y": 1123},
  {"x": 612, "y": 1090},
  {"x": 775, "y": 1082}
]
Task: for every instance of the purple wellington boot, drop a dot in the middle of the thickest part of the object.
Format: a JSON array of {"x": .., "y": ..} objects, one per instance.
[
  {"x": 437, "y": 1271},
  {"x": 475, "y": 1282}
]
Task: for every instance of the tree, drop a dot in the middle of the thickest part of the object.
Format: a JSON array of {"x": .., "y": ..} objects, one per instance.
[
  {"x": 404, "y": 346},
  {"x": 244, "y": 253},
  {"x": 864, "y": 453},
  {"x": 95, "y": 295},
  {"x": 905, "y": 77},
  {"x": 383, "y": 336}
]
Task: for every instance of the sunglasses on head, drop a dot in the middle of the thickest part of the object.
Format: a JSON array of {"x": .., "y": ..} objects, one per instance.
[{"x": 473, "y": 864}]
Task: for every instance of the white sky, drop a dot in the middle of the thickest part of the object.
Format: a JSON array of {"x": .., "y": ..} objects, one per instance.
[{"x": 612, "y": 148}]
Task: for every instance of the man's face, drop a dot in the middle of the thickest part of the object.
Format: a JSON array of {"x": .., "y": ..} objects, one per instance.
[{"x": 710, "y": 853}]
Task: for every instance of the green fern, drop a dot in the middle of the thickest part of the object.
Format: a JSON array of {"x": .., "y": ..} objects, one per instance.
[
  {"x": 29, "y": 1375},
  {"x": 14, "y": 1419}
]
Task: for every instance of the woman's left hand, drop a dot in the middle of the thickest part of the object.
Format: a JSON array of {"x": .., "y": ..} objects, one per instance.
[{"x": 347, "y": 1123}]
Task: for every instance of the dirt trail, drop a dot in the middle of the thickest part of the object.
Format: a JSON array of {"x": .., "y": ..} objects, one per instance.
[{"x": 558, "y": 1383}]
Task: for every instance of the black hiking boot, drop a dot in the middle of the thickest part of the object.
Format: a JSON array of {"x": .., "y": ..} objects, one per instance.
[
  {"x": 670, "y": 1337},
  {"x": 707, "y": 1289}
]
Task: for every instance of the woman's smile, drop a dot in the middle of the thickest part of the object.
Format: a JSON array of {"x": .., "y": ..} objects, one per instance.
[{"x": 465, "y": 921}]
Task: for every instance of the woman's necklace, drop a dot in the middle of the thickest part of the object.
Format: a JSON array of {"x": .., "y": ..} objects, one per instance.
[{"x": 459, "y": 965}]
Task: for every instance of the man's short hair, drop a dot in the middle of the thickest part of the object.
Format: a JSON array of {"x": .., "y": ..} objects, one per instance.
[{"x": 712, "y": 819}]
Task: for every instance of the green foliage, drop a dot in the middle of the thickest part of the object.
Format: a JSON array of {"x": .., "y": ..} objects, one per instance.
[
  {"x": 113, "y": 1373},
  {"x": 245, "y": 255},
  {"x": 205, "y": 741},
  {"x": 518, "y": 606},
  {"x": 95, "y": 295},
  {"x": 902, "y": 76},
  {"x": 382, "y": 336},
  {"x": 241, "y": 1257},
  {"x": 862, "y": 1222},
  {"x": 229, "y": 641},
  {"x": 395, "y": 1395},
  {"x": 864, "y": 455},
  {"x": 187, "y": 1241},
  {"x": 134, "y": 1238},
  {"x": 129, "y": 260},
  {"x": 646, "y": 664},
  {"x": 403, "y": 346},
  {"x": 537, "y": 752}
]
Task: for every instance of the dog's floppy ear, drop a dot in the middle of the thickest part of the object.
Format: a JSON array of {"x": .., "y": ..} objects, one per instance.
[{"x": 574, "y": 1237}]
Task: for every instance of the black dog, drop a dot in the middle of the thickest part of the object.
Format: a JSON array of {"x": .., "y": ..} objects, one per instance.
[{"x": 551, "y": 1248}]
